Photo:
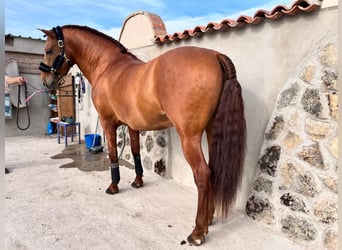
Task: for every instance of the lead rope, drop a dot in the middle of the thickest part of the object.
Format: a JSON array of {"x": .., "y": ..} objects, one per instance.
[{"x": 27, "y": 108}]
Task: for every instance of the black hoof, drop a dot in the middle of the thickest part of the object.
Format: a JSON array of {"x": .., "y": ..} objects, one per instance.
[
  {"x": 7, "y": 171},
  {"x": 138, "y": 182},
  {"x": 112, "y": 189},
  {"x": 195, "y": 242},
  {"x": 136, "y": 185}
]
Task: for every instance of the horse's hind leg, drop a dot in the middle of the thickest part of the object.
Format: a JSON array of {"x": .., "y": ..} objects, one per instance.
[
  {"x": 135, "y": 147},
  {"x": 211, "y": 203},
  {"x": 194, "y": 155}
]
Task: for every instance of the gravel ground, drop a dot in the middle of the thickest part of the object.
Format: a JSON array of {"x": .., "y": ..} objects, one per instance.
[{"x": 49, "y": 207}]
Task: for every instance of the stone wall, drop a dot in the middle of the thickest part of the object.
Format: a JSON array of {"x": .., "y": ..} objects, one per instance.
[
  {"x": 295, "y": 189},
  {"x": 28, "y": 63},
  {"x": 153, "y": 150}
]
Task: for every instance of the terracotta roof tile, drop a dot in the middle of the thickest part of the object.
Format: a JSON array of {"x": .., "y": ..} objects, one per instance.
[{"x": 260, "y": 15}]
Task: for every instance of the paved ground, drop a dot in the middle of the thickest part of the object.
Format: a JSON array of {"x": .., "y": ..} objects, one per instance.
[{"x": 52, "y": 204}]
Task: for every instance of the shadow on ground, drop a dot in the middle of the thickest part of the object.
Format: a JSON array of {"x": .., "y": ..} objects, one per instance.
[{"x": 85, "y": 160}]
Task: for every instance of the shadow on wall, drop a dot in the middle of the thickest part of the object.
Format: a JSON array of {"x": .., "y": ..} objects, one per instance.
[{"x": 256, "y": 114}]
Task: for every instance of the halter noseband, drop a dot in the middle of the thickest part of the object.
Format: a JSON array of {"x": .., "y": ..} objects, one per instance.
[{"x": 59, "y": 60}]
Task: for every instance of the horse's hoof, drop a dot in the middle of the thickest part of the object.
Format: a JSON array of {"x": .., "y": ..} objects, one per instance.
[
  {"x": 112, "y": 189},
  {"x": 210, "y": 221},
  {"x": 195, "y": 241},
  {"x": 136, "y": 185},
  {"x": 138, "y": 182}
]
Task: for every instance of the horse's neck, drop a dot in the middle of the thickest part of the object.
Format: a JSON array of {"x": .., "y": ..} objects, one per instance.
[{"x": 91, "y": 58}]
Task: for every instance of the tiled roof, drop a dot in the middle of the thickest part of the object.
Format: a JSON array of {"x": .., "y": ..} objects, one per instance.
[{"x": 260, "y": 15}]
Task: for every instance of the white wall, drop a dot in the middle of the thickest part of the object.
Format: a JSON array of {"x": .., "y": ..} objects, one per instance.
[
  {"x": 264, "y": 56},
  {"x": 86, "y": 113}
]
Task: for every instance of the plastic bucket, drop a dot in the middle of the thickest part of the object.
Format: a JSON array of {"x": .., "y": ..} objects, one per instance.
[{"x": 89, "y": 139}]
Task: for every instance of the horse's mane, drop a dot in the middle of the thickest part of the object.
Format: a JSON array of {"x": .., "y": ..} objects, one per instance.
[{"x": 122, "y": 48}]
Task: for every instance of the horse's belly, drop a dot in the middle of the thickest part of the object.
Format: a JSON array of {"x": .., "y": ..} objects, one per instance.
[{"x": 150, "y": 123}]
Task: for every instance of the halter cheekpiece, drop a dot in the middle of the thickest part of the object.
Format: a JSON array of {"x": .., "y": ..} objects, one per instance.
[{"x": 60, "y": 58}]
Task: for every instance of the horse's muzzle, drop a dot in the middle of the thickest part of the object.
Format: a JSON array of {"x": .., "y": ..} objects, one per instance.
[{"x": 55, "y": 83}]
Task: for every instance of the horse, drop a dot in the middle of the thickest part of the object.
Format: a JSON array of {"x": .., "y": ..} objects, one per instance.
[{"x": 192, "y": 89}]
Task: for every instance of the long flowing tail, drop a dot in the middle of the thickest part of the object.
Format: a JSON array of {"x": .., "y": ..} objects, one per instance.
[{"x": 228, "y": 141}]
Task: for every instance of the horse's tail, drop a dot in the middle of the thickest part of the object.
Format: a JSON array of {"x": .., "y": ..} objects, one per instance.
[{"x": 228, "y": 141}]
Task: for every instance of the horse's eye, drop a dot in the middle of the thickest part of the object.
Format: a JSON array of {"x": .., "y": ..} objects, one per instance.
[{"x": 48, "y": 52}]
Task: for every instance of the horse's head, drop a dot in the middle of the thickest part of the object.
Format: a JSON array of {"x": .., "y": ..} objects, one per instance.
[{"x": 55, "y": 56}]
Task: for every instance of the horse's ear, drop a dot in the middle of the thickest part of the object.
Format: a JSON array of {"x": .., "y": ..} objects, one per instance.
[{"x": 48, "y": 33}]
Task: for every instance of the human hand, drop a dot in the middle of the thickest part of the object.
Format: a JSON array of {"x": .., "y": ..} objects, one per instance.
[{"x": 21, "y": 80}]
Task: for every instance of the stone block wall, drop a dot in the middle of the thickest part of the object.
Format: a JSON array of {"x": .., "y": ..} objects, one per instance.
[
  {"x": 28, "y": 63},
  {"x": 295, "y": 189},
  {"x": 154, "y": 150}
]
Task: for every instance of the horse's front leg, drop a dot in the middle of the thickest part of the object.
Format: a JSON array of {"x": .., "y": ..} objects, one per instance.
[
  {"x": 110, "y": 132},
  {"x": 135, "y": 148}
]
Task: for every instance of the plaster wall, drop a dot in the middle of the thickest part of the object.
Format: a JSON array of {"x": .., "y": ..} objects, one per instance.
[
  {"x": 140, "y": 24},
  {"x": 86, "y": 113}
]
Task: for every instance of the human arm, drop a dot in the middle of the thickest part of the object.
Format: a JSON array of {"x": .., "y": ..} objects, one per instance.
[{"x": 13, "y": 80}]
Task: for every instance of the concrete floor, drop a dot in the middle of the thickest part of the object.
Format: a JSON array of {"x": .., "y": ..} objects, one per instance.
[{"x": 55, "y": 199}]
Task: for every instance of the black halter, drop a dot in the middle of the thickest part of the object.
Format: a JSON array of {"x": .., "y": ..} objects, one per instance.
[{"x": 60, "y": 58}]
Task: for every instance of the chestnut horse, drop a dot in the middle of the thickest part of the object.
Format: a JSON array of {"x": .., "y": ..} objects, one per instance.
[{"x": 193, "y": 89}]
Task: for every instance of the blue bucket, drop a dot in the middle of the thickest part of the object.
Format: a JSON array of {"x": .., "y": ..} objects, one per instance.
[{"x": 89, "y": 139}]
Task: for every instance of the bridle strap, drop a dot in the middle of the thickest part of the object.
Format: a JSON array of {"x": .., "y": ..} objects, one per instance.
[
  {"x": 59, "y": 36},
  {"x": 59, "y": 60}
]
